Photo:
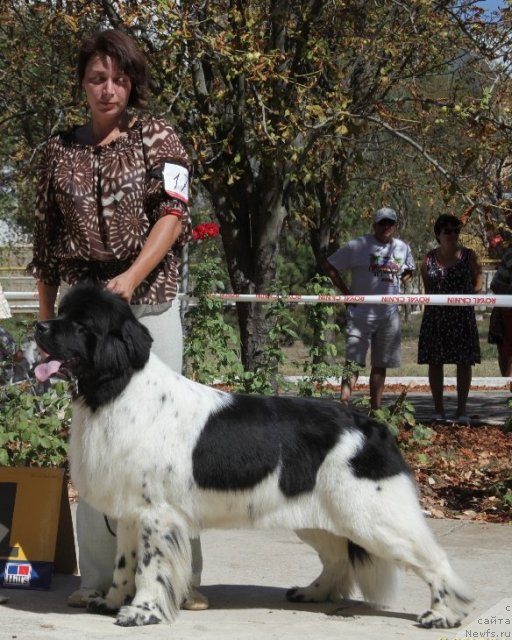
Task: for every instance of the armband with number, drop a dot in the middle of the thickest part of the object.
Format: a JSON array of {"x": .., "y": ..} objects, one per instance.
[{"x": 176, "y": 181}]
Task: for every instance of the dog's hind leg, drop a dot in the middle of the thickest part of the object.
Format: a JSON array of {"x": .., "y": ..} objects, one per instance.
[
  {"x": 449, "y": 596},
  {"x": 335, "y": 581},
  {"x": 387, "y": 522},
  {"x": 163, "y": 573},
  {"x": 417, "y": 549}
]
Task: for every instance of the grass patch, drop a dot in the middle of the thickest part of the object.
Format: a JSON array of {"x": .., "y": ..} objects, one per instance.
[{"x": 297, "y": 352}]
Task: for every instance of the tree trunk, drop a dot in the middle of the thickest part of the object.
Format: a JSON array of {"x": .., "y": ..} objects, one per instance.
[
  {"x": 250, "y": 228},
  {"x": 320, "y": 239}
]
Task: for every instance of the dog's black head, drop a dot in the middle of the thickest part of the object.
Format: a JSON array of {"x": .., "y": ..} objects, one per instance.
[{"x": 98, "y": 339}]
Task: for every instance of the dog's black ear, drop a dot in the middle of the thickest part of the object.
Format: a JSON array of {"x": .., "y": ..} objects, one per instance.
[
  {"x": 123, "y": 350},
  {"x": 137, "y": 341}
]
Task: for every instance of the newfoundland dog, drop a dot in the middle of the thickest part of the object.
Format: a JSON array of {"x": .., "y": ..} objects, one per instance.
[{"x": 168, "y": 457}]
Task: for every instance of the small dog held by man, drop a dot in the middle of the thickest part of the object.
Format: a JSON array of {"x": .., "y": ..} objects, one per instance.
[{"x": 168, "y": 457}]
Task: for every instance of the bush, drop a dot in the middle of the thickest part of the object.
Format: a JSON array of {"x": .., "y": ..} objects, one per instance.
[{"x": 34, "y": 427}]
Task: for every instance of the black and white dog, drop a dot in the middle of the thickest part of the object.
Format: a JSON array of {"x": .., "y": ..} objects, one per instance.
[{"x": 168, "y": 457}]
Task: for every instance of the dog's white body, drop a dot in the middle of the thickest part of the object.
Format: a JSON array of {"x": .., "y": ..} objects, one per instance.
[
  {"x": 168, "y": 457},
  {"x": 132, "y": 459},
  {"x": 147, "y": 446},
  {"x": 138, "y": 426}
]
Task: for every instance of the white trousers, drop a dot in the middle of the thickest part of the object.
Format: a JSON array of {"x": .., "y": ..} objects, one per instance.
[{"x": 96, "y": 544}]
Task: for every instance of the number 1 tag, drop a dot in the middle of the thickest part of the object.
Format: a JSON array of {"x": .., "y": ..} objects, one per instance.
[{"x": 176, "y": 178}]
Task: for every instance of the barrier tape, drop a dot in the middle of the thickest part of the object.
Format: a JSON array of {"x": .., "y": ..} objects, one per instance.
[
  {"x": 462, "y": 300},
  {"x": 21, "y": 295},
  {"x": 457, "y": 300}
]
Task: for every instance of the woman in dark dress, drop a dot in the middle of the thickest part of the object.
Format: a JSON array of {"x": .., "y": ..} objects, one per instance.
[
  {"x": 449, "y": 335},
  {"x": 500, "y": 322}
]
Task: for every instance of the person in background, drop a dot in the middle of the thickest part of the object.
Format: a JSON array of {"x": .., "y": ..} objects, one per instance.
[
  {"x": 379, "y": 263},
  {"x": 5, "y": 310},
  {"x": 500, "y": 324},
  {"x": 9, "y": 353},
  {"x": 448, "y": 334},
  {"x": 112, "y": 207}
]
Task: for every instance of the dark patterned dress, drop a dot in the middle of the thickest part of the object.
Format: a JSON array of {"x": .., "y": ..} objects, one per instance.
[
  {"x": 449, "y": 335},
  {"x": 96, "y": 206}
]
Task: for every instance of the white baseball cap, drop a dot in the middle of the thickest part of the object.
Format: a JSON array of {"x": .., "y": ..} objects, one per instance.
[{"x": 386, "y": 213}]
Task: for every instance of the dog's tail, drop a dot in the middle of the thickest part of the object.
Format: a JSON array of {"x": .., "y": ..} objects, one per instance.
[{"x": 378, "y": 579}]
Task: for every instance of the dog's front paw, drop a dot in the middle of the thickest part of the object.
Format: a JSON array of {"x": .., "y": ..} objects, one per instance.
[
  {"x": 101, "y": 606},
  {"x": 138, "y": 615},
  {"x": 435, "y": 620}
]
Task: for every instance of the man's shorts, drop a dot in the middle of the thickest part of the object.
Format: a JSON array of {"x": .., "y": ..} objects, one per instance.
[{"x": 382, "y": 334}]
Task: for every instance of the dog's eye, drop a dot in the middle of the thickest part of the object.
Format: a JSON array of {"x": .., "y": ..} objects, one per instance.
[{"x": 79, "y": 328}]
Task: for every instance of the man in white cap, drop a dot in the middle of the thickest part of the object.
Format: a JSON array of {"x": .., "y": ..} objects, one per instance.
[{"x": 378, "y": 263}]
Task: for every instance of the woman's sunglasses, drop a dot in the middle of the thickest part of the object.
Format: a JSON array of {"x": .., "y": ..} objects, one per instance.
[{"x": 450, "y": 231}]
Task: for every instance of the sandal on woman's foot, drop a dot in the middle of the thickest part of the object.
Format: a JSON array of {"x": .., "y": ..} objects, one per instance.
[
  {"x": 439, "y": 417},
  {"x": 195, "y": 601},
  {"x": 464, "y": 421}
]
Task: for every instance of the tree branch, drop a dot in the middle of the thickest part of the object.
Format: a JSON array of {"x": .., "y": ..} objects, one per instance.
[{"x": 421, "y": 149}]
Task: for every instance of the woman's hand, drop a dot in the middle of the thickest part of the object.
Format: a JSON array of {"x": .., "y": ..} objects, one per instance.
[
  {"x": 406, "y": 276},
  {"x": 160, "y": 239},
  {"x": 123, "y": 285}
]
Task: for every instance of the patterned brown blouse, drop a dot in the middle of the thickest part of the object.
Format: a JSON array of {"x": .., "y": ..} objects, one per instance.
[{"x": 96, "y": 206}]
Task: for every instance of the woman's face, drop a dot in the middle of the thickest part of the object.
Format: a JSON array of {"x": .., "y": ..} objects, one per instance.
[
  {"x": 449, "y": 235},
  {"x": 107, "y": 88}
]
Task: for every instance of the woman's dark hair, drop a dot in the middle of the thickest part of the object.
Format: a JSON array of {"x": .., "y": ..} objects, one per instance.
[
  {"x": 443, "y": 221},
  {"x": 121, "y": 48}
]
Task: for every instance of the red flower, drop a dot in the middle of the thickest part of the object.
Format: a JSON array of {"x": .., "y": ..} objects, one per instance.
[
  {"x": 205, "y": 230},
  {"x": 494, "y": 241}
]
